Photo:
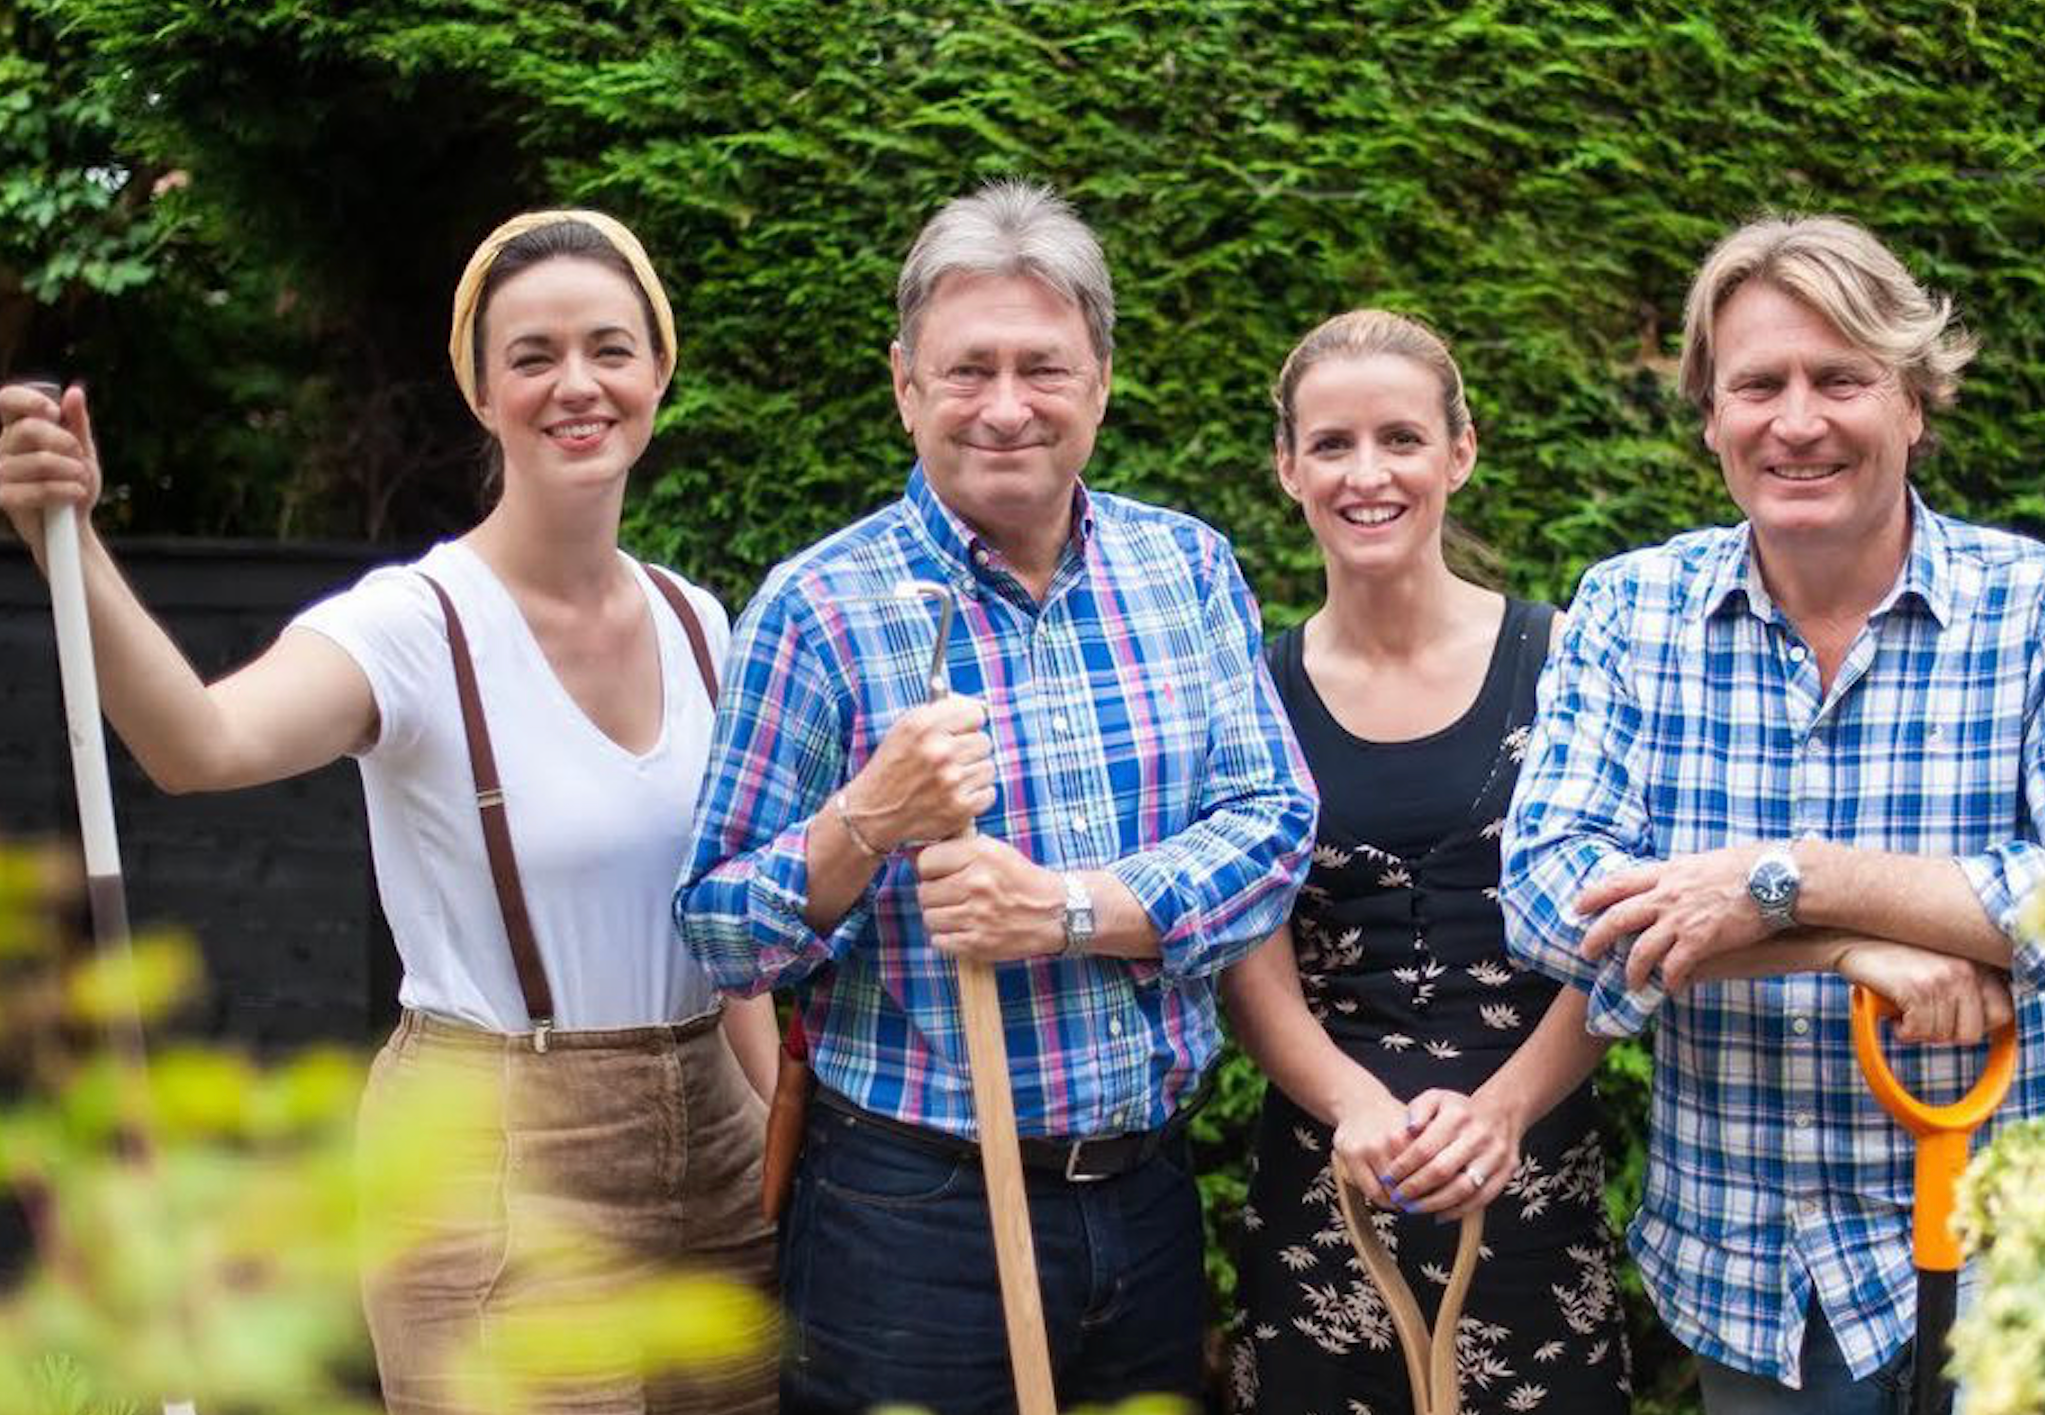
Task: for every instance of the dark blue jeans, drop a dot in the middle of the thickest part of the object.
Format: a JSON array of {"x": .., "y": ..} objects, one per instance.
[
  {"x": 887, "y": 1269},
  {"x": 1828, "y": 1387}
]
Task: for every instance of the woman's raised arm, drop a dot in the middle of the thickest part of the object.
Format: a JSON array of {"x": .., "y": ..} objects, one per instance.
[{"x": 298, "y": 706}]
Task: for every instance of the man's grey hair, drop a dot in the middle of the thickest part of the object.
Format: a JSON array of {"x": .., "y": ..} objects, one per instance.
[
  {"x": 1840, "y": 269},
  {"x": 1010, "y": 227}
]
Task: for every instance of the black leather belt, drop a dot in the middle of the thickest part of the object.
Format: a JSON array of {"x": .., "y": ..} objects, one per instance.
[{"x": 1078, "y": 1161}]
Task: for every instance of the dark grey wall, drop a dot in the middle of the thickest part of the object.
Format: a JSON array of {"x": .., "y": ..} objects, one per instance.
[{"x": 274, "y": 883}]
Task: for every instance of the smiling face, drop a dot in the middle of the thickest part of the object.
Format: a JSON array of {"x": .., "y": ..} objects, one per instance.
[
  {"x": 1372, "y": 463},
  {"x": 1812, "y": 431},
  {"x": 1002, "y": 396},
  {"x": 570, "y": 377}
]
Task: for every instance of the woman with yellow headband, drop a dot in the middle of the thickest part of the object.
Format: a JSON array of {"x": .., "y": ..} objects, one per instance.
[{"x": 531, "y": 710}]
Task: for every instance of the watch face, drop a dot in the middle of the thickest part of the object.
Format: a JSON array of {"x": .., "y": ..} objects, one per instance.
[
  {"x": 1079, "y": 913},
  {"x": 1773, "y": 884}
]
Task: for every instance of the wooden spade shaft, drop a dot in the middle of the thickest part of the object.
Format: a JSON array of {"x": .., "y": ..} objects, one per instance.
[
  {"x": 1008, "y": 1201},
  {"x": 1430, "y": 1354}
]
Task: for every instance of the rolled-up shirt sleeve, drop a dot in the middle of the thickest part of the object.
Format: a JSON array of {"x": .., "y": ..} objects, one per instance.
[
  {"x": 1578, "y": 812},
  {"x": 775, "y": 757},
  {"x": 2006, "y": 875},
  {"x": 1219, "y": 887}
]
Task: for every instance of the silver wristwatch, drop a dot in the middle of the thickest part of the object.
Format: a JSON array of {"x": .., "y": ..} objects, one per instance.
[
  {"x": 1079, "y": 918},
  {"x": 1772, "y": 884}
]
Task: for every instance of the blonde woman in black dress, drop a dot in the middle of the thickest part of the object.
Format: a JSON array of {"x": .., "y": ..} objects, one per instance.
[{"x": 1402, "y": 1045}]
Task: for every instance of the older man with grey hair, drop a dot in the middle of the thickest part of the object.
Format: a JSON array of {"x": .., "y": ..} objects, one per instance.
[{"x": 1142, "y": 816}]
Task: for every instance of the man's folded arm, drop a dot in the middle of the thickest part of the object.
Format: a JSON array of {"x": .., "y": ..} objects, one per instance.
[
  {"x": 1578, "y": 812},
  {"x": 1217, "y": 889}
]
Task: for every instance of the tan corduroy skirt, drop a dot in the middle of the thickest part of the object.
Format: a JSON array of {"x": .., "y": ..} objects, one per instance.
[{"x": 567, "y": 1177}]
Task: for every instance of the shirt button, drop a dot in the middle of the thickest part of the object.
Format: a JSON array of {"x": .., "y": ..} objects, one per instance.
[
  {"x": 1060, "y": 723},
  {"x": 1807, "y": 1207},
  {"x": 1800, "y": 1025},
  {"x": 1114, "y": 1026},
  {"x": 1079, "y": 825},
  {"x": 1804, "y": 1120},
  {"x": 1796, "y": 653}
]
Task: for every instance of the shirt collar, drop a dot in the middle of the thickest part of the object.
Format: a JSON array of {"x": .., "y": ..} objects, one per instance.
[
  {"x": 965, "y": 553},
  {"x": 1927, "y": 571}
]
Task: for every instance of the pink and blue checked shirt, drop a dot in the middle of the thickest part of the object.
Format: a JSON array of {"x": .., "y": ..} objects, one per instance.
[
  {"x": 1681, "y": 713},
  {"x": 1135, "y": 730}
]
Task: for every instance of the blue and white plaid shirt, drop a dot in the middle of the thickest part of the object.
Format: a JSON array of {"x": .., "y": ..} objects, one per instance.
[
  {"x": 1135, "y": 730},
  {"x": 1681, "y": 713}
]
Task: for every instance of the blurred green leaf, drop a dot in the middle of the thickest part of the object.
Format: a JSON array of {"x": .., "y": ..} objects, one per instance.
[{"x": 153, "y": 975}]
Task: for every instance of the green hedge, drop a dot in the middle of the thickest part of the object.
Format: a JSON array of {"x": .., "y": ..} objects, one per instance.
[{"x": 1537, "y": 179}]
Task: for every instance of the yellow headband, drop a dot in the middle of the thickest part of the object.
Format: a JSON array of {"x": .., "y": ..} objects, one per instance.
[{"x": 461, "y": 339}]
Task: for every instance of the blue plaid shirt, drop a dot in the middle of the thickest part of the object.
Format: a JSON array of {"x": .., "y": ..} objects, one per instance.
[
  {"x": 1135, "y": 730},
  {"x": 1682, "y": 713}
]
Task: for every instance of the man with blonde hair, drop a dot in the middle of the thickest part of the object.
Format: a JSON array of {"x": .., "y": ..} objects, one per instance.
[
  {"x": 1142, "y": 815},
  {"x": 1775, "y": 758}
]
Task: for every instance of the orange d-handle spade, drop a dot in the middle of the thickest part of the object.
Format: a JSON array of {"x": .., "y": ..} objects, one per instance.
[{"x": 1942, "y": 1133}]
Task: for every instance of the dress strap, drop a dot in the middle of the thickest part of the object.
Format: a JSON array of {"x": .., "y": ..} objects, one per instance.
[
  {"x": 518, "y": 924},
  {"x": 1537, "y": 628},
  {"x": 1521, "y": 650}
]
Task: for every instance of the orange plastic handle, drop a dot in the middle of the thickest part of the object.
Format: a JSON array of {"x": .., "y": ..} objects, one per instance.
[{"x": 1942, "y": 1131}]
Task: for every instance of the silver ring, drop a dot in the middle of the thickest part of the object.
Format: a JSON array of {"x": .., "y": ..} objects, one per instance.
[{"x": 1476, "y": 1175}]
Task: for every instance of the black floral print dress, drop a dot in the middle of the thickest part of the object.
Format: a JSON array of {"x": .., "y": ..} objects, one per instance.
[{"x": 1402, "y": 954}]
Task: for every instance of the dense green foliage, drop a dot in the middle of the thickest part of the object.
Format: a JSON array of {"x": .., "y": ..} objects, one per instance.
[
  {"x": 1538, "y": 179},
  {"x": 108, "y": 271}
]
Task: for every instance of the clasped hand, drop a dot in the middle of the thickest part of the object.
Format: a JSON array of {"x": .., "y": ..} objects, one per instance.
[
  {"x": 930, "y": 778},
  {"x": 1441, "y": 1153},
  {"x": 46, "y": 458},
  {"x": 982, "y": 898},
  {"x": 1683, "y": 911},
  {"x": 1943, "y": 1000}
]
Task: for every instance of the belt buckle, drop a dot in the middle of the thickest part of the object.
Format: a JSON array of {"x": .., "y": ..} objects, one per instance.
[{"x": 1073, "y": 1173}]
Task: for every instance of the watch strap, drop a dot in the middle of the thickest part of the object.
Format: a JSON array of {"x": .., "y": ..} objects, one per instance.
[{"x": 1080, "y": 924}]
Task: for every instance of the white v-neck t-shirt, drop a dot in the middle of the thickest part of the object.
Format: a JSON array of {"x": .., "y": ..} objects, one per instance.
[{"x": 601, "y": 834}]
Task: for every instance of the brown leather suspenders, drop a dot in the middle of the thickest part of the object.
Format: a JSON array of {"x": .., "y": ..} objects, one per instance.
[
  {"x": 518, "y": 924},
  {"x": 692, "y": 626}
]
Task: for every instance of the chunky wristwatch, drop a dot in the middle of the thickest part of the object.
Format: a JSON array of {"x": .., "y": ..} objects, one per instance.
[
  {"x": 1772, "y": 884},
  {"x": 1079, "y": 918}
]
